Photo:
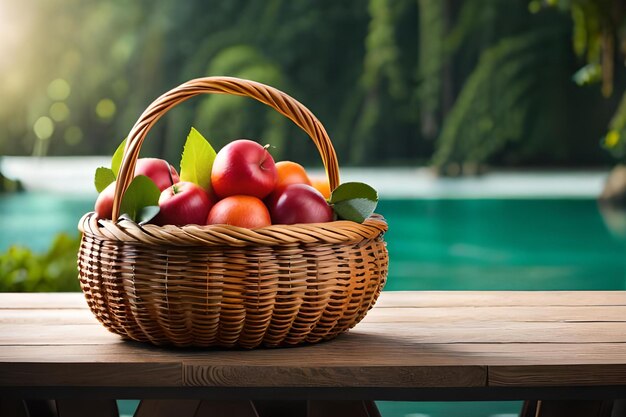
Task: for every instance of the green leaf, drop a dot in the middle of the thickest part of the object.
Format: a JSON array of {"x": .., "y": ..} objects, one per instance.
[
  {"x": 589, "y": 74},
  {"x": 141, "y": 193},
  {"x": 197, "y": 160},
  {"x": 147, "y": 213},
  {"x": 356, "y": 209},
  {"x": 116, "y": 161},
  {"x": 350, "y": 190},
  {"x": 104, "y": 177},
  {"x": 354, "y": 201}
]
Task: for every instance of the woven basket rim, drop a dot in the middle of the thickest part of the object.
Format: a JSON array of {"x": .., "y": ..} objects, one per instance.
[{"x": 335, "y": 232}]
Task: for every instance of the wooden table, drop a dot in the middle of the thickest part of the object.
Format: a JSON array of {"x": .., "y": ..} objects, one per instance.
[{"x": 412, "y": 346}]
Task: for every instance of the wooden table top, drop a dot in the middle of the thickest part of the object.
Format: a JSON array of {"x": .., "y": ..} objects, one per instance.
[{"x": 409, "y": 340}]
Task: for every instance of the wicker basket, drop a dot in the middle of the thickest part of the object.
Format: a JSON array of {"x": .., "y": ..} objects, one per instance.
[{"x": 227, "y": 286}]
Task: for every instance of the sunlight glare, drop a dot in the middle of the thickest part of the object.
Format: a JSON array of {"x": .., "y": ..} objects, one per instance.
[{"x": 13, "y": 25}]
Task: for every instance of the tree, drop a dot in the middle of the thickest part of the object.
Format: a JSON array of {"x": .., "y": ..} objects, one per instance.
[{"x": 599, "y": 38}]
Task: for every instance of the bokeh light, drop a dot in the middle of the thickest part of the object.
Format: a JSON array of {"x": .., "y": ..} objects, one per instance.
[
  {"x": 73, "y": 135},
  {"x": 43, "y": 128},
  {"x": 59, "y": 89},
  {"x": 59, "y": 111},
  {"x": 105, "y": 109}
]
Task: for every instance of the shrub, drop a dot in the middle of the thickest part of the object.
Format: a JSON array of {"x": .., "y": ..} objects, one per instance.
[{"x": 22, "y": 270}]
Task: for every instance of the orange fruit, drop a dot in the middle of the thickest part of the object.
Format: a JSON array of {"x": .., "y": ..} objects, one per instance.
[
  {"x": 321, "y": 185},
  {"x": 240, "y": 210},
  {"x": 290, "y": 173}
]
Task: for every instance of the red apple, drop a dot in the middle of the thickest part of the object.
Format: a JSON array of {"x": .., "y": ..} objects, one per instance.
[
  {"x": 155, "y": 169},
  {"x": 298, "y": 203},
  {"x": 160, "y": 171},
  {"x": 104, "y": 202},
  {"x": 243, "y": 167},
  {"x": 183, "y": 203}
]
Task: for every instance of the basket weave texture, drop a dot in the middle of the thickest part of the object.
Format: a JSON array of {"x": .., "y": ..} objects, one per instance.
[{"x": 227, "y": 286}]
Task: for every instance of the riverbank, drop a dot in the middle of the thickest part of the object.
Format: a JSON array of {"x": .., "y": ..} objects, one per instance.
[{"x": 72, "y": 175}]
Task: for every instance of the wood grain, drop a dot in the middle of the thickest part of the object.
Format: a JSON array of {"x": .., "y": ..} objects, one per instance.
[
  {"x": 334, "y": 376},
  {"x": 388, "y": 299},
  {"x": 496, "y": 314},
  {"x": 350, "y": 354},
  {"x": 379, "y": 315},
  {"x": 94, "y": 374},
  {"x": 380, "y": 332},
  {"x": 557, "y": 375},
  {"x": 39, "y": 300},
  {"x": 55, "y": 334},
  {"x": 46, "y": 316},
  {"x": 410, "y": 339},
  {"x": 499, "y": 298}
]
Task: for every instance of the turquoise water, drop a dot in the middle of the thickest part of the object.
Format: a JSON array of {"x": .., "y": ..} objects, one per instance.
[
  {"x": 32, "y": 219},
  {"x": 502, "y": 245},
  {"x": 433, "y": 245}
]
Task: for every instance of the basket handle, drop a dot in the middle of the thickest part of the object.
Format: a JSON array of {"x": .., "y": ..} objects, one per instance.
[{"x": 281, "y": 102}]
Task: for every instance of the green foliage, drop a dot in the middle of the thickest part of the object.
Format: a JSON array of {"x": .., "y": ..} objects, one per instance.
[
  {"x": 8, "y": 185},
  {"x": 229, "y": 117},
  {"x": 599, "y": 34},
  {"x": 589, "y": 74},
  {"x": 598, "y": 25},
  {"x": 493, "y": 108},
  {"x": 382, "y": 52},
  {"x": 384, "y": 82},
  {"x": 430, "y": 63},
  {"x": 615, "y": 139},
  {"x": 383, "y": 78},
  {"x": 22, "y": 270}
]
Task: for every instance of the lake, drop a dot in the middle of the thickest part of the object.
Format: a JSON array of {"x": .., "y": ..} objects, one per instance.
[{"x": 434, "y": 244}]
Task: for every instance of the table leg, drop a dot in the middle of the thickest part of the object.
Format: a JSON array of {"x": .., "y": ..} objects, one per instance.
[
  {"x": 567, "y": 408},
  {"x": 86, "y": 407},
  {"x": 342, "y": 409},
  {"x": 167, "y": 408},
  {"x": 195, "y": 408},
  {"x": 619, "y": 408},
  {"x": 316, "y": 409},
  {"x": 41, "y": 408},
  {"x": 226, "y": 408},
  {"x": 12, "y": 408},
  {"x": 529, "y": 409},
  {"x": 269, "y": 408}
]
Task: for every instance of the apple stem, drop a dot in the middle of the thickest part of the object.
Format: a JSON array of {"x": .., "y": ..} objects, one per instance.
[{"x": 266, "y": 147}]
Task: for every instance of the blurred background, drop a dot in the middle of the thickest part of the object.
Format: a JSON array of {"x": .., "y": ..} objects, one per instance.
[
  {"x": 452, "y": 84},
  {"x": 489, "y": 127}
]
